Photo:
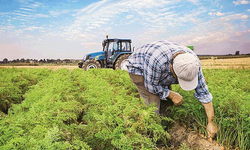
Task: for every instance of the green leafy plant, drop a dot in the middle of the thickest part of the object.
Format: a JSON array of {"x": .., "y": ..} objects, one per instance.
[
  {"x": 230, "y": 90},
  {"x": 15, "y": 82}
]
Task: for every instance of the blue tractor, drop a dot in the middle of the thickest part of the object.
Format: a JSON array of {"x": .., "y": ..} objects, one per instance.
[{"x": 114, "y": 55}]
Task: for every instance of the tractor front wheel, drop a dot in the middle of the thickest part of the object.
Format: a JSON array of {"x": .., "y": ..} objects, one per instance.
[
  {"x": 122, "y": 62},
  {"x": 91, "y": 64},
  {"x": 80, "y": 64}
]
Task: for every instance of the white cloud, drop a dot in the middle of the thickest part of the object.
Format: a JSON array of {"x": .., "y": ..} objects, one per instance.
[
  {"x": 243, "y": 16},
  {"x": 32, "y": 28},
  {"x": 56, "y": 13},
  {"x": 24, "y": 1},
  {"x": 97, "y": 18},
  {"x": 6, "y": 28},
  {"x": 248, "y": 10},
  {"x": 216, "y": 13},
  {"x": 220, "y": 14},
  {"x": 155, "y": 22},
  {"x": 198, "y": 38},
  {"x": 196, "y": 2},
  {"x": 40, "y": 16},
  {"x": 211, "y": 37},
  {"x": 239, "y": 33},
  {"x": 73, "y": 1},
  {"x": 35, "y": 5},
  {"x": 213, "y": 31},
  {"x": 241, "y": 2},
  {"x": 26, "y": 9}
]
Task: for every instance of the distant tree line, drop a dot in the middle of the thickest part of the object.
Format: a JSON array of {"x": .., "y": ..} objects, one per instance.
[{"x": 35, "y": 61}]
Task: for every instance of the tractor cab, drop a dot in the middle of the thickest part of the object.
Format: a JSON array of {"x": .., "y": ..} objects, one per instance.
[{"x": 113, "y": 48}]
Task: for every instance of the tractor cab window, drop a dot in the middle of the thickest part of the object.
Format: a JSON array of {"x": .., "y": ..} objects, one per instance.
[
  {"x": 126, "y": 46},
  {"x": 113, "y": 47}
]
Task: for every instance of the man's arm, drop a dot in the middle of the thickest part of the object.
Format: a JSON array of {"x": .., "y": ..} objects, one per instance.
[
  {"x": 205, "y": 97},
  {"x": 212, "y": 128}
]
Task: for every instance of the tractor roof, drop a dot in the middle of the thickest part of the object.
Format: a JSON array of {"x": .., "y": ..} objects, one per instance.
[{"x": 128, "y": 40}]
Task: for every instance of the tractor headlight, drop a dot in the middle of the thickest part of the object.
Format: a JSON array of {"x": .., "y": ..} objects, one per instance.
[{"x": 84, "y": 57}]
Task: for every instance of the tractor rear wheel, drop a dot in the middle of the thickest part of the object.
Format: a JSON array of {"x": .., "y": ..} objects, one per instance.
[
  {"x": 122, "y": 62},
  {"x": 91, "y": 64}
]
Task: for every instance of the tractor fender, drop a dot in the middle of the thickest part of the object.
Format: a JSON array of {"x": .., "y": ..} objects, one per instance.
[
  {"x": 120, "y": 54},
  {"x": 100, "y": 59}
]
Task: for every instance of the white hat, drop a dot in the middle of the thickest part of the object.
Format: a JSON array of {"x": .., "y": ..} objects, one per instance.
[{"x": 186, "y": 67}]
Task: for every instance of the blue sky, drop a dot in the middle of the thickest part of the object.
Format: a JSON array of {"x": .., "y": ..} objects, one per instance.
[{"x": 59, "y": 29}]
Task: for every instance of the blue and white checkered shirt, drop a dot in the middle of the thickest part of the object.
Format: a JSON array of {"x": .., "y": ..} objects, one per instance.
[{"x": 153, "y": 60}]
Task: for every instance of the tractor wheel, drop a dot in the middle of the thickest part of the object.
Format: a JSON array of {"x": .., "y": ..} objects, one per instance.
[
  {"x": 80, "y": 64},
  {"x": 122, "y": 62},
  {"x": 90, "y": 64}
]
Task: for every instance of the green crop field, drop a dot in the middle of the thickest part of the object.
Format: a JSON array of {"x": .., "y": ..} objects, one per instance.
[{"x": 101, "y": 109}]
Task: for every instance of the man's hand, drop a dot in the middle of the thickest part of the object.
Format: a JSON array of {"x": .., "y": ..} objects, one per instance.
[
  {"x": 176, "y": 98},
  {"x": 212, "y": 129}
]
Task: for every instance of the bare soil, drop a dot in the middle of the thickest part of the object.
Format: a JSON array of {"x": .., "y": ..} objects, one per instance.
[
  {"x": 182, "y": 137},
  {"x": 185, "y": 139}
]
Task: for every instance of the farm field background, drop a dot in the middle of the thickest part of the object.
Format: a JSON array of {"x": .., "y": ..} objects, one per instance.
[
  {"x": 68, "y": 108},
  {"x": 229, "y": 63}
]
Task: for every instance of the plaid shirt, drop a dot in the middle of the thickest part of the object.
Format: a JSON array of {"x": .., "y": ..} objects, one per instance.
[{"x": 153, "y": 60}]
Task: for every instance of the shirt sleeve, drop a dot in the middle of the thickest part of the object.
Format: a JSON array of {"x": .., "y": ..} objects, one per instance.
[
  {"x": 152, "y": 77},
  {"x": 202, "y": 93}
]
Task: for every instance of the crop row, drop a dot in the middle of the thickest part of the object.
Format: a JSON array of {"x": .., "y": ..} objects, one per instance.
[
  {"x": 15, "y": 82},
  {"x": 98, "y": 109}
]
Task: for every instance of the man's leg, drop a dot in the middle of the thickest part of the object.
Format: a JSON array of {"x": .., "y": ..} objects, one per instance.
[{"x": 148, "y": 97}]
